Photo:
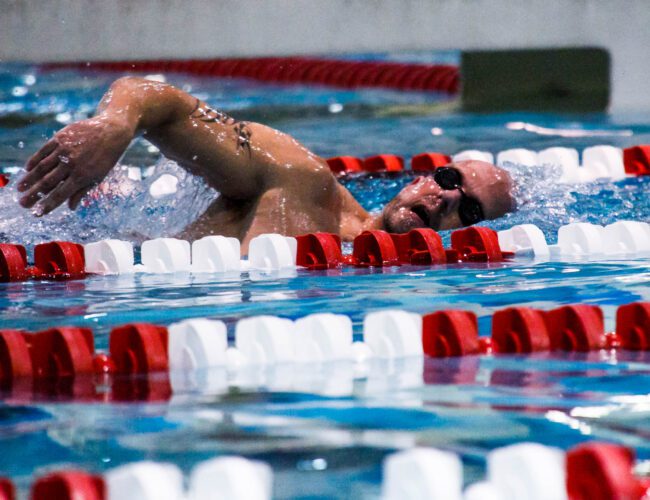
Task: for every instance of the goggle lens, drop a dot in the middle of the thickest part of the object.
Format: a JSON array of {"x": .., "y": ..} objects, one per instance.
[{"x": 469, "y": 209}]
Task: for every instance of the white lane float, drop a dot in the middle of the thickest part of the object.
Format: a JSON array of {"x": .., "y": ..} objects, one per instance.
[
  {"x": 195, "y": 344},
  {"x": 165, "y": 255},
  {"x": 604, "y": 162},
  {"x": 518, "y": 156},
  {"x": 393, "y": 334},
  {"x": 272, "y": 252},
  {"x": 221, "y": 478},
  {"x": 216, "y": 254},
  {"x": 109, "y": 257},
  {"x": 528, "y": 470},
  {"x": 145, "y": 481},
  {"x": 580, "y": 239},
  {"x": 627, "y": 237},
  {"x": 620, "y": 238},
  {"x": 473, "y": 154},
  {"x": 265, "y": 340},
  {"x": 422, "y": 474},
  {"x": 524, "y": 239},
  {"x": 482, "y": 490},
  {"x": 231, "y": 478},
  {"x": 323, "y": 337},
  {"x": 566, "y": 158}
]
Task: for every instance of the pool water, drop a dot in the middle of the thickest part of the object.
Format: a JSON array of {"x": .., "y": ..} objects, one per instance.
[{"x": 325, "y": 429}]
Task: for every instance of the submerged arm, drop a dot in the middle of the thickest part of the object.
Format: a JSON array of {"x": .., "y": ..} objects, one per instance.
[{"x": 204, "y": 141}]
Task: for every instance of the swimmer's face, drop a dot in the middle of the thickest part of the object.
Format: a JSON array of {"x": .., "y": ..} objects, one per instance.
[{"x": 424, "y": 203}]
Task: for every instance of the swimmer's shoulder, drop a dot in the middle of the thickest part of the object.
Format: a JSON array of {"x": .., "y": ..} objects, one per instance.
[{"x": 291, "y": 166}]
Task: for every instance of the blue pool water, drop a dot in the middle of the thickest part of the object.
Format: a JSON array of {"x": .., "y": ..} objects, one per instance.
[{"x": 325, "y": 430}]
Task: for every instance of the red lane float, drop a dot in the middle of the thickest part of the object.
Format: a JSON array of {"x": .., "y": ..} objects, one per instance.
[
  {"x": 633, "y": 326},
  {"x": 420, "y": 247},
  {"x": 383, "y": 163},
  {"x": 342, "y": 73},
  {"x": 4, "y": 180},
  {"x": 51, "y": 354},
  {"x": 450, "y": 333},
  {"x": 478, "y": 244},
  {"x": 576, "y": 328},
  {"x": 7, "y": 490},
  {"x": 425, "y": 162},
  {"x": 519, "y": 330},
  {"x": 60, "y": 259},
  {"x": 13, "y": 262},
  {"x": 423, "y": 246},
  {"x": 15, "y": 358},
  {"x": 62, "y": 361},
  {"x": 602, "y": 471},
  {"x": 69, "y": 485},
  {"x": 636, "y": 160},
  {"x": 345, "y": 164},
  {"x": 54, "y": 260},
  {"x": 428, "y": 162},
  {"x": 60, "y": 353},
  {"x": 319, "y": 251},
  {"x": 374, "y": 248},
  {"x": 58, "y": 361},
  {"x": 139, "y": 348}
]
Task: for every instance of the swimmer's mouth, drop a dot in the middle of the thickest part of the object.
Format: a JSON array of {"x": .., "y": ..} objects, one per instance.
[{"x": 423, "y": 214}]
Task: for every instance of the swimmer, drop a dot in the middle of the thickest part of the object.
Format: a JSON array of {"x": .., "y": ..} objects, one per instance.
[{"x": 268, "y": 182}]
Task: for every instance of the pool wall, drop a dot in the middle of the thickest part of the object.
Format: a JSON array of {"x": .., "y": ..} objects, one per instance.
[{"x": 79, "y": 30}]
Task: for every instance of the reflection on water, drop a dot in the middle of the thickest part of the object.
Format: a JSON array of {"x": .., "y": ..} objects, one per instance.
[{"x": 291, "y": 420}]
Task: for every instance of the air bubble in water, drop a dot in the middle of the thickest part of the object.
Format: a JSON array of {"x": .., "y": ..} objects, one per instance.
[
  {"x": 19, "y": 91},
  {"x": 29, "y": 80}
]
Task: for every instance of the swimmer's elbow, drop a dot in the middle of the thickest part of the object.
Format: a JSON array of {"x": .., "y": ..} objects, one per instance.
[
  {"x": 137, "y": 87},
  {"x": 149, "y": 103},
  {"x": 125, "y": 83}
]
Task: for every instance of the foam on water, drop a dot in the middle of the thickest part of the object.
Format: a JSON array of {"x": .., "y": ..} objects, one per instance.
[{"x": 118, "y": 208}]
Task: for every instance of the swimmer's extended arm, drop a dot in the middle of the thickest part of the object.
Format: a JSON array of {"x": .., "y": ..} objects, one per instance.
[{"x": 80, "y": 155}]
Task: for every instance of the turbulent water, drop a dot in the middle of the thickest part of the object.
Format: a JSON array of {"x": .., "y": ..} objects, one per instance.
[
  {"x": 34, "y": 104},
  {"x": 120, "y": 207}
]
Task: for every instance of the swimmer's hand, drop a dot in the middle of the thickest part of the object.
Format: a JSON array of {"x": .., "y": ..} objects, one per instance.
[{"x": 70, "y": 164}]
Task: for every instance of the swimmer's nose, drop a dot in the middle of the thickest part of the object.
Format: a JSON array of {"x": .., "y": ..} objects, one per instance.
[{"x": 451, "y": 199}]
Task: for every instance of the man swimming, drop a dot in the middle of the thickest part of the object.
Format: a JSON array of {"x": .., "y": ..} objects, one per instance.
[{"x": 269, "y": 182}]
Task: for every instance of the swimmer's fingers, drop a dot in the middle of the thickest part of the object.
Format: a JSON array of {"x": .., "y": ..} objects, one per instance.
[
  {"x": 45, "y": 151},
  {"x": 61, "y": 193},
  {"x": 44, "y": 186},
  {"x": 39, "y": 171},
  {"x": 75, "y": 199}
]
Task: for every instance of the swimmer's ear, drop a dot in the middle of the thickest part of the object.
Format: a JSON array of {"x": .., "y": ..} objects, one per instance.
[{"x": 74, "y": 200}]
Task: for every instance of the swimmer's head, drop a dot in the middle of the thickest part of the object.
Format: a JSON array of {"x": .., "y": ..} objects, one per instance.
[{"x": 483, "y": 192}]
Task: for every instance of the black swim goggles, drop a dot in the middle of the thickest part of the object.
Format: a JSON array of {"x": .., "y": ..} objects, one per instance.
[{"x": 469, "y": 209}]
